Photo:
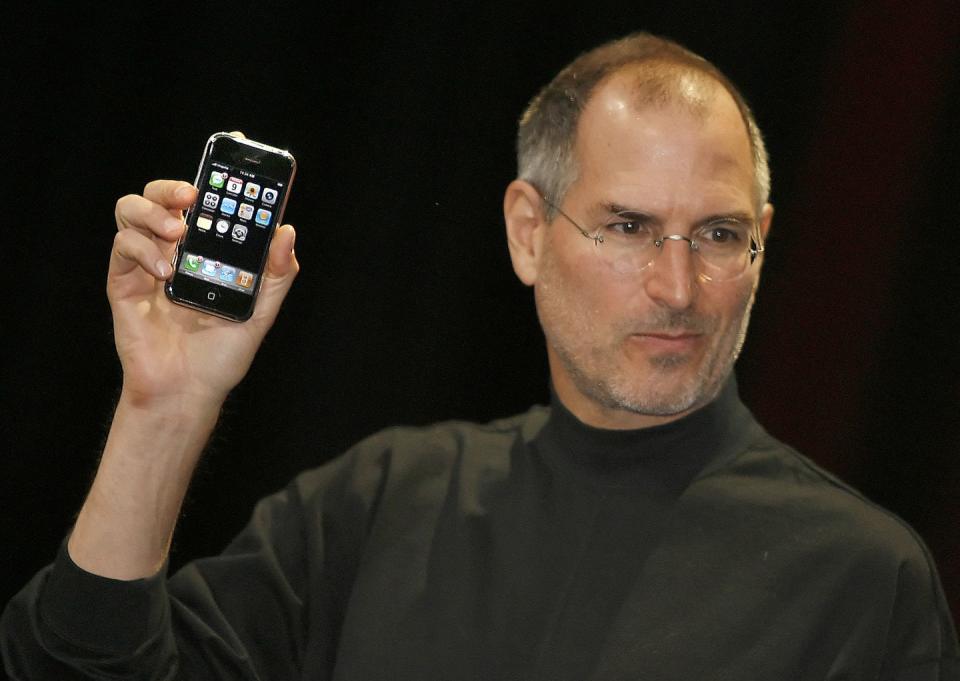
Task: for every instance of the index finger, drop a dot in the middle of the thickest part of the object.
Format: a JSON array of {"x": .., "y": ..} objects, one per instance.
[{"x": 175, "y": 194}]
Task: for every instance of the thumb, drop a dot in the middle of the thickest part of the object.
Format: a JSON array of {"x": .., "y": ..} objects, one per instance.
[
  {"x": 282, "y": 261},
  {"x": 282, "y": 268}
]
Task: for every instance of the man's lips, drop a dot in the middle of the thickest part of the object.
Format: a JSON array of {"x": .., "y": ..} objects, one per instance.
[{"x": 667, "y": 341}]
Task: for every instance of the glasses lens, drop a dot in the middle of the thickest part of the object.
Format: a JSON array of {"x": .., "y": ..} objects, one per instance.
[
  {"x": 724, "y": 250},
  {"x": 628, "y": 252}
]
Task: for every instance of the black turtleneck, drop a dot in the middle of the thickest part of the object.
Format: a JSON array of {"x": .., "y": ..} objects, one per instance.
[
  {"x": 533, "y": 548},
  {"x": 612, "y": 490}
]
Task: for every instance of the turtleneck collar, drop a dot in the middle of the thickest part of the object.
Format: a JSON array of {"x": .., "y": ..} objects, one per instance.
[{"x": 668, "y": 455}]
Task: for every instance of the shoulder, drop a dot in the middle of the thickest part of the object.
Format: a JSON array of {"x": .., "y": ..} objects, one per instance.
[
  {"x": 447, "y": 441},
  {"x": 403, "y": 455},
  {"x": 455, "y": 436},
  {"x": 780, "y": 488}
]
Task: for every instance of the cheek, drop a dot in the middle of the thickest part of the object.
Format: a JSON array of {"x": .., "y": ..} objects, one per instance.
[
  {"x": 734, "y": 304},
  {"x": 570, "y": 298},
  {"x": 590, "y": 293},
  {"x": 590, "y": 283}
]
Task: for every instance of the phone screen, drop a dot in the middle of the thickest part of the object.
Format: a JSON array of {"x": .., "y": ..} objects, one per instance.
[
  {"x": 242, "y": 190},
  {"x": 230, "y": 227}
]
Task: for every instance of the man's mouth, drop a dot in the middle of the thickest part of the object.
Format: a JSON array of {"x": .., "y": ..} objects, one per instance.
[{"x": 667, "y": 341}]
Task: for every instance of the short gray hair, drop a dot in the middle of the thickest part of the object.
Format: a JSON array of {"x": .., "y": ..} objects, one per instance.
[{"x": 547, "y": 132}]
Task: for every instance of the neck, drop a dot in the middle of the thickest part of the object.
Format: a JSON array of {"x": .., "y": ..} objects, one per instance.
[{"x": 683, "y": 447}]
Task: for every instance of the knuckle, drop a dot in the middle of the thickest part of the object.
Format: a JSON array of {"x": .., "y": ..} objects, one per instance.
[
  {"x": 127, "y": 243},
  {"x": 123, "y": 204},
  {"x": 160, "y": 191},
  {"x": 120, "y": 240}
]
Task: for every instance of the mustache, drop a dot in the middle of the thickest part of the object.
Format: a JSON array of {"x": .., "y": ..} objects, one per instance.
[{"x": 675, "y": 322}]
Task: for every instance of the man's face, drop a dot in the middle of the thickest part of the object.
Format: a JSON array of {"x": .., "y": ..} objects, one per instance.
[{"x": 641, "y": 348}]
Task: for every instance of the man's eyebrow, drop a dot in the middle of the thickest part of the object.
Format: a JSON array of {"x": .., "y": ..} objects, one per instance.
[
  {"x": 629, "y": 213},
  {"x": 736, "y": 216}
]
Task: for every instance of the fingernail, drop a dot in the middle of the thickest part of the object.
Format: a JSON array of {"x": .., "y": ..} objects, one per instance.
[
  {"x": 184, "y": 193},
  {"x": 293, "y": 240},
  {"x": 163, "y": 268}
]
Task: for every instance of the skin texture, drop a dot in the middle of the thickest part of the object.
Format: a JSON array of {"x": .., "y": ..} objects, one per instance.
[{"x": 640, "y": 349}]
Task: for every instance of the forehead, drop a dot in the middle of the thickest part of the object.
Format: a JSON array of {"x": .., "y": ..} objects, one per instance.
[{"x": 661, "y": 136}]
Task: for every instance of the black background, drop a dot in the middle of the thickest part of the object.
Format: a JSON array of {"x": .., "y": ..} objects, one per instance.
[{"x": 402, "y": 119}]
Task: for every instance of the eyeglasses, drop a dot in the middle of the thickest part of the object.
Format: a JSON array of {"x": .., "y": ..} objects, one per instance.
[{"x": 724, "y": 246}]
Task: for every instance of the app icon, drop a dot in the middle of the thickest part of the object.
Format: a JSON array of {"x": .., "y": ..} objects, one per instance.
[
  {"x": 191, "y": 263},
  {"x": 217, "y": 179},
  {"x": 210, "y": 200},
  {"x": 245, "y": 279},
  {"x": 246, "y": 211},
  {"x": 269, "y": 196},
  {"x": 239, "y": 232},
  {"x": 229, "y": 206},
  {"x": 252, "y": 191},
  {"x": 223, "y": 226},
  {"x": 204, "y": 222},
  {"x": 210, "y": 268},
  {"x": 228, "y": 274},
  {"x": 263, "y": 217},
  {"x": 234, "y": 185}
]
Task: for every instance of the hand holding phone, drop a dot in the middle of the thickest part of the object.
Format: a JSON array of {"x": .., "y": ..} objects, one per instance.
[{"x": 167, "y": 350}]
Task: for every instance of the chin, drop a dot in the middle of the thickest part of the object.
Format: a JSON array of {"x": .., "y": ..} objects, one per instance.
[
  {"x": 670, "y": 387},
  {"x": 658, "y": 402}
]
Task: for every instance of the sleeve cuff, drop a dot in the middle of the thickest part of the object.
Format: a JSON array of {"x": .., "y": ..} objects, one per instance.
[{"x": 99, "y": 613}]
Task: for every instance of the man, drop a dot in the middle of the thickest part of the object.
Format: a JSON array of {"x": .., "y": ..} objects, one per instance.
[{"x": 644, "y": 526}]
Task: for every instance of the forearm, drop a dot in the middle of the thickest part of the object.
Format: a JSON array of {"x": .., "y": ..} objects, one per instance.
[{"x": 124, "y": 529}]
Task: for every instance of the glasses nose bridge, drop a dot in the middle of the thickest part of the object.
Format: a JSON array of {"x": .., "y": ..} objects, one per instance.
[
  {"x": 676, "y": 237},
  {"x": 692, "y": 248}
]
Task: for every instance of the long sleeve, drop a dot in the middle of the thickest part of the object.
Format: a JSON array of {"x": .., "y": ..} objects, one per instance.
[{"x": 244, "y": 614}]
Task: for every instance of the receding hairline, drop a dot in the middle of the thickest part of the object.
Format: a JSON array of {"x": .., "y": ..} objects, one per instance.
[
  {"x": 549, "y": 126},
  {"x": 660, "y": 83}
]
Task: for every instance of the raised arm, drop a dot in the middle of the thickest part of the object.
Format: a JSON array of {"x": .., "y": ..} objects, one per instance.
[{"x": 178, "y": 366}]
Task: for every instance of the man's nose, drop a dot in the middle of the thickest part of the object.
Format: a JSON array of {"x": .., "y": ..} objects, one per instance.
[{"x": 672, "y": 278}]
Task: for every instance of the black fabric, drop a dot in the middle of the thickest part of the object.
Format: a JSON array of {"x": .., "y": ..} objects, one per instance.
[{"x": 534, "y": 547}]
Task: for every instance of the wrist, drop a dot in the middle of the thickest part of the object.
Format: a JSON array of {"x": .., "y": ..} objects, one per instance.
[{"x": 185, "y": 402}]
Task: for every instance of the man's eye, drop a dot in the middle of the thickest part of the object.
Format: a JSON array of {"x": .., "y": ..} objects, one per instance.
[
  {"x": 630, "y": 228},
  {"x": 720, "y": 234}
]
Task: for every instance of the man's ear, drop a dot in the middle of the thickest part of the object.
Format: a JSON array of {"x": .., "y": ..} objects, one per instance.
[
  {"x": 766, "y": 218},
  {"x": 523, "y": 214}
]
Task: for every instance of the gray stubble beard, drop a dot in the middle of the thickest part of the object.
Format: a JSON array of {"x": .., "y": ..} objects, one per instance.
[{"x": 604, "y": 390}]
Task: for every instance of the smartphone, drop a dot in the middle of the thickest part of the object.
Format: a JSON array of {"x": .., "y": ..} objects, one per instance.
[{"x": 219, "y": 262}]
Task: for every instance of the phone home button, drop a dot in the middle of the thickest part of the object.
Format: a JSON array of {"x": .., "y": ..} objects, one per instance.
[{"x": 212, "y": 295}]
